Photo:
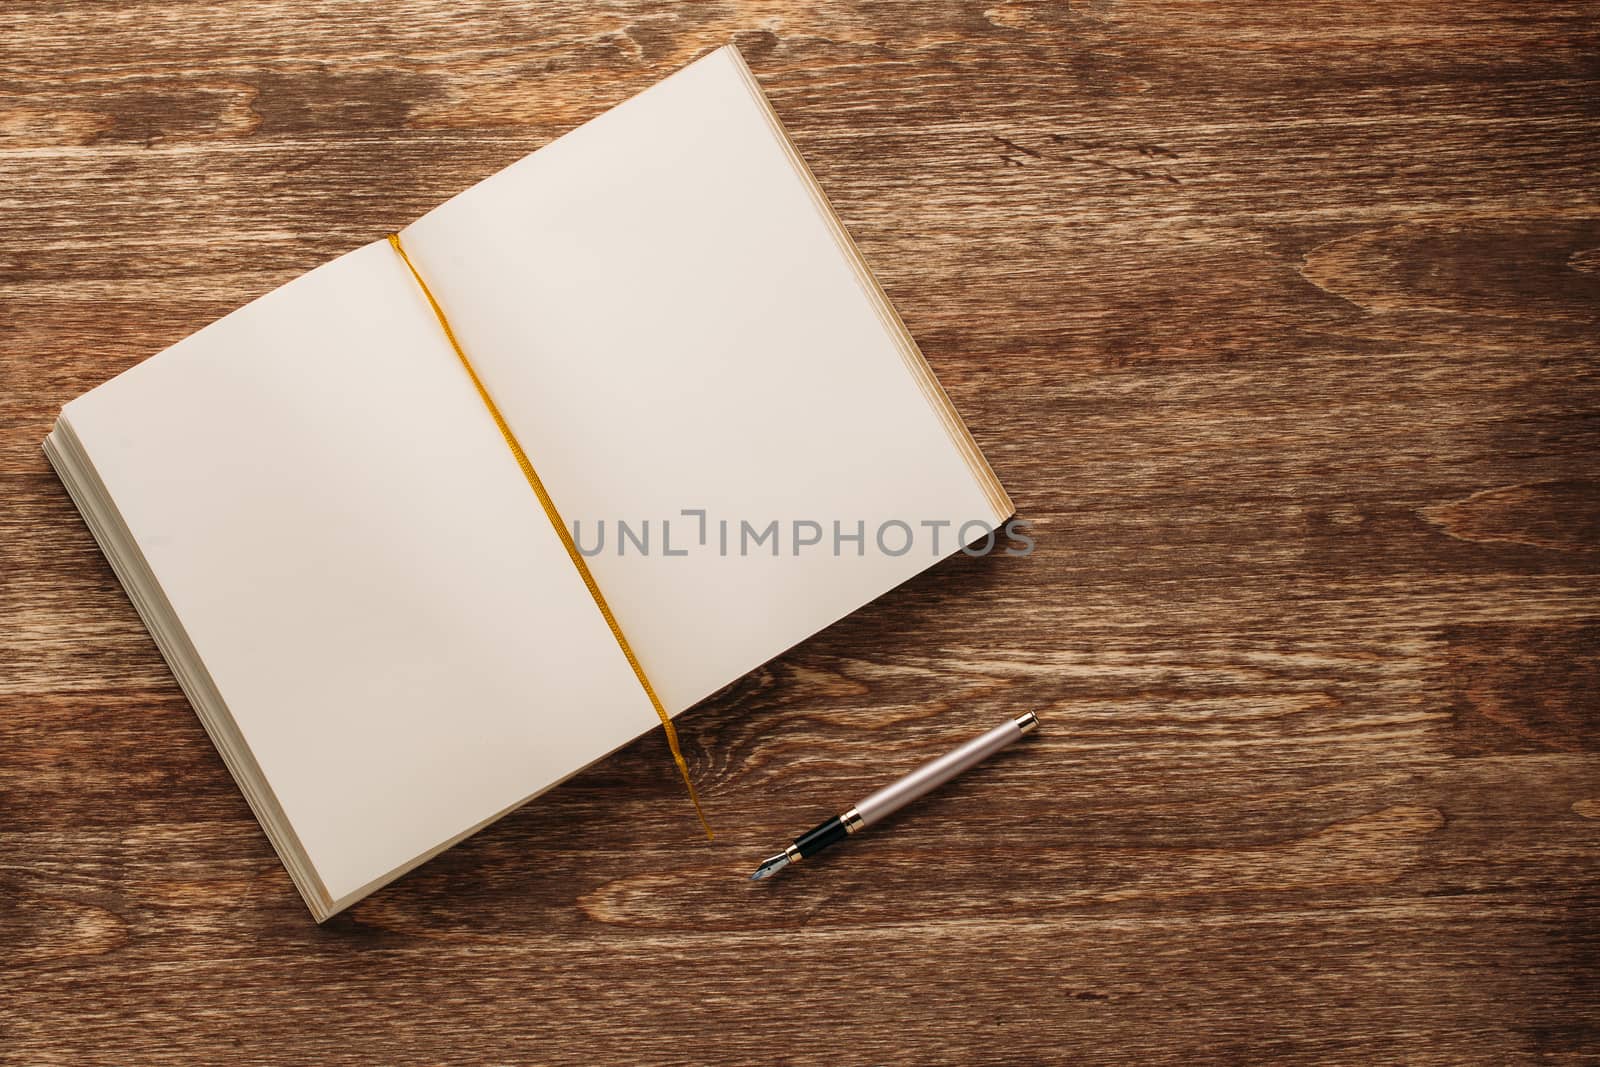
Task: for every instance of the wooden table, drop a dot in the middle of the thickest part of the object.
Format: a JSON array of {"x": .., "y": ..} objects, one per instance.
[{"x": 1279, "y": 322}]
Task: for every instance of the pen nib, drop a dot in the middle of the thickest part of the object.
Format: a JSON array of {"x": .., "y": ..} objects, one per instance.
[{"x": 770, "y": 867}]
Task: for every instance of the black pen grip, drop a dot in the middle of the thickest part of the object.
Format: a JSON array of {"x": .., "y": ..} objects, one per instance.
[{"x": 820, "y": 837}]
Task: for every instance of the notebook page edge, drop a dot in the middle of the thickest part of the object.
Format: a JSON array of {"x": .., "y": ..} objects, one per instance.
[
  {"x": 116, "y": 395},
  {"x": 143, "y": 590},
  {"x": 465, "y": 276},
  {"x": 916, "y": 363}
]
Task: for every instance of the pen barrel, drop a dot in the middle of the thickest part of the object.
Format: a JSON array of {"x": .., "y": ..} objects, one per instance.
[{"x": 930, "y": 776}]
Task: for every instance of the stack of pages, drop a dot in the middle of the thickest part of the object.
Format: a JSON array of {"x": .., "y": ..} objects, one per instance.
[{"x": 345, "y": 567}]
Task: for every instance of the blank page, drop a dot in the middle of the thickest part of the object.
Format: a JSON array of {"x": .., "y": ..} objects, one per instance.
[
  {"x": 671, "y": 321},
  {"x": 396, "y": 631}
]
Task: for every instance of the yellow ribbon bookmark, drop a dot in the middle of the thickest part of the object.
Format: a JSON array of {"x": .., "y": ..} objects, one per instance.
[{"x": 561, "y": 530}]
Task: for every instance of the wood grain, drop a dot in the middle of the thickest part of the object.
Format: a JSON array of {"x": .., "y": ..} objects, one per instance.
[{"x": 1278, "y": 321}]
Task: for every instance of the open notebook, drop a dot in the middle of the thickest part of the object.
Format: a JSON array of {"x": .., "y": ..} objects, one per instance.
[{"x": 344, "y": 565}]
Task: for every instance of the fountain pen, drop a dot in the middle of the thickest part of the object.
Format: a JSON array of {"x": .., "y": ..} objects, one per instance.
[{"x": 891, "y": 798}]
